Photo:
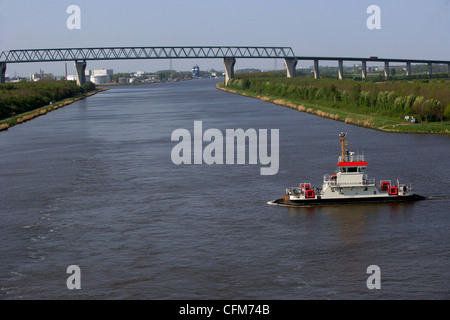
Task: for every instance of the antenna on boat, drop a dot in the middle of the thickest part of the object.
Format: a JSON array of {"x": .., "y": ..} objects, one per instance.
[{"x": 344, "y": 151}]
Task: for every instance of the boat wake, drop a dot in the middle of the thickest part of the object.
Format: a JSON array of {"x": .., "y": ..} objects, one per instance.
[{"x": 437, "y": 198}]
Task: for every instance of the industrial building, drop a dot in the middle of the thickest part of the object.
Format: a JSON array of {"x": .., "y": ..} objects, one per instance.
[
  {"x": 195, "y": 72},
  {"x": 99, "y": 76}
]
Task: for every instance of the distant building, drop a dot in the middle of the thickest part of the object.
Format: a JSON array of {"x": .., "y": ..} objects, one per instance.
[
  {"x": 195, "y": 72},
  {"x": 41, "y": 76},
  {"x": 15, "y": 79},
  {"x": 73, "y": 77},
  {"x": 99, "y": 71},
  {"x": 99, "y": 76}
]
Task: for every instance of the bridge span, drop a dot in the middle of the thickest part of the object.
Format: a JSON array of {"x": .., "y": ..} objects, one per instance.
[
  {"x": 385, "y": 61},
  {"x": 229, "y": 55},
  {"x": 81, "y": 55}
]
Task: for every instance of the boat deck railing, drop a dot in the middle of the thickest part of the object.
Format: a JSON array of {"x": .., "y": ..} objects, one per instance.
[
  {"x": 353, "y": 157},
  {"x": 403, "y": 188}
]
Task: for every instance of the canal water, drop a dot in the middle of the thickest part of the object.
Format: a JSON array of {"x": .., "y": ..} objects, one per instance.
[{"x": 93, "y": 185}]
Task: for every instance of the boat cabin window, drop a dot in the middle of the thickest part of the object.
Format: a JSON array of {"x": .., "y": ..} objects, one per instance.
[{"x": 351, "y": 169}]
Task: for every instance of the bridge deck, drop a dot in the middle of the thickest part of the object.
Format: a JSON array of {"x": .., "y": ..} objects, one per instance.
[
  {"x": 119, "y": 53},
  {"x": 123, "y": 53}
]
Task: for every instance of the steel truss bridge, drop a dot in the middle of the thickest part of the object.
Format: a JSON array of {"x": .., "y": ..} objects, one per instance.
[
  {"x": 227, "y": 53},
  {"x": 125, "y": 53}
]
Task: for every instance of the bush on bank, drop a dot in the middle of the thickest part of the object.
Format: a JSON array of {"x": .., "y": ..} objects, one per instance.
[
  {"x": 423, "y": 99},
  {"x": 20, "y": 97}
]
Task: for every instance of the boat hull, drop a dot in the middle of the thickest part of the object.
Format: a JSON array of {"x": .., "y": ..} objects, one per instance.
[{"x": 349, "y": 200}]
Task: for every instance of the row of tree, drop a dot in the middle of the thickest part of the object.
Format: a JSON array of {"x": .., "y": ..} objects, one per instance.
[
  {"x": 23, "y": 96},
  {"x": 424, "y": 99}
]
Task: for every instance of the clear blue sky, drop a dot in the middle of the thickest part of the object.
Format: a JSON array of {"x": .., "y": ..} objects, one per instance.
[{"x": 409, "y": 29}]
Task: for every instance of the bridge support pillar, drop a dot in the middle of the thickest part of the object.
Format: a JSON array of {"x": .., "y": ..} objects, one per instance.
[
  {"x": 364, "y": 69},
  {"x": 229, "y": 68},
  {"x": 2, "y": 72},
  {"x": 291, "y": 63},
  {"x": 340, "y": 69},
  {"x": 316, "y": 69},
  {"x": 408, "y": 68},
  {"x": 430, "y": 69},
  {"x": 81, "y": 68},
  {"x": 386, "y": 70}
]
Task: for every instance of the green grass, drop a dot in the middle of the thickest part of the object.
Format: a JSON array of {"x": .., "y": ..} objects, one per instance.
[{"x": 374, "y": 121}]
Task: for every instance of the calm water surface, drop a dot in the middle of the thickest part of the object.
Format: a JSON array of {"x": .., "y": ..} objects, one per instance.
[{"x": 93, "y": 185}]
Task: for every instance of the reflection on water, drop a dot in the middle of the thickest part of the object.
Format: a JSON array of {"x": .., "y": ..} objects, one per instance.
[{"x": 93, "y": 185}]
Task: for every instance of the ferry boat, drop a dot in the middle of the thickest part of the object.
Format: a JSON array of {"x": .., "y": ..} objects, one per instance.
[{"x": 348, "y": 185}]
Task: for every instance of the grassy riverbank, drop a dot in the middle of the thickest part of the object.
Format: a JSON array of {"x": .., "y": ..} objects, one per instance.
[
  {"x": 29, "y": 115},
  {"x": 380, "y": 106}
]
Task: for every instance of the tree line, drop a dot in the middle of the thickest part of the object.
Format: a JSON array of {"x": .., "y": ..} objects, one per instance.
[
  {"x": 23, "y": 96},
  {"x": 425, "y": 99}
]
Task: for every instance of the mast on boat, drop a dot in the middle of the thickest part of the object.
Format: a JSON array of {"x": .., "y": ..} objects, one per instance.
[{"x": 344, "y": 150}]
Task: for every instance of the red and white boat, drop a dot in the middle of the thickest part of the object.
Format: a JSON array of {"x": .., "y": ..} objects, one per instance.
[{"x": 348, "y": 185}]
